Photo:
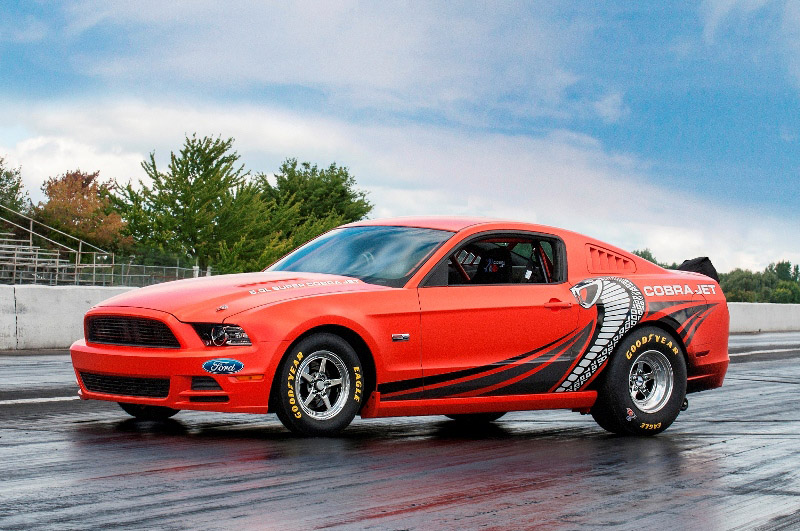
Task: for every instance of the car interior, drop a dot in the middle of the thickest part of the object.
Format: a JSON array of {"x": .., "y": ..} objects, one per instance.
[{"x": 503, "y": 260}]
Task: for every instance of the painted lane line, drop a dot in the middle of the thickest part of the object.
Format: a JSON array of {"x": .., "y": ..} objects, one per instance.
[
  {"x": 749, "y": 353},
  {"x": 38, "y": 400}
]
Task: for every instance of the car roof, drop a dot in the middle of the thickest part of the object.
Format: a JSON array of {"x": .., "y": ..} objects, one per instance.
[{"x": 449, "y": 223}]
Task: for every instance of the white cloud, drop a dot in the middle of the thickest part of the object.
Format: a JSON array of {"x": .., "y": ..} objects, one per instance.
[
  {"x": 562, "y": 178},
  {"x": 48, "y": 156},
  {"x": 717, "y": 12},
  {"x": 611, "y": 108},
  {"x": 460, "y": 60}
]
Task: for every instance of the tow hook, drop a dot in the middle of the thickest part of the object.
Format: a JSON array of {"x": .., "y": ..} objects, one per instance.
[{"x": 685, "y": 404}]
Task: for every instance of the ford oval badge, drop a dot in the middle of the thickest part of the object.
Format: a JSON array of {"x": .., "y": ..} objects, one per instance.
[{"x": 223, "y": 366}]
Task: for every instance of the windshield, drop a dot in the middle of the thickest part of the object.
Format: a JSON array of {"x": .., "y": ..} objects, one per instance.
[{"x": 379, "y": 255}]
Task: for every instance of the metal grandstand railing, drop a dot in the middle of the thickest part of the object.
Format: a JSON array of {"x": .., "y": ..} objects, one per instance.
[{"x": 22, "y": 261}]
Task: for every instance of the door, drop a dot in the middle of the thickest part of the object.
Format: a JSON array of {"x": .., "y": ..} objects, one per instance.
[{"x": 504, "y": 323}]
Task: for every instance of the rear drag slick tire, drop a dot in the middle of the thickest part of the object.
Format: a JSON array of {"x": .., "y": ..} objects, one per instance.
[{"x": 643, "y": 387}]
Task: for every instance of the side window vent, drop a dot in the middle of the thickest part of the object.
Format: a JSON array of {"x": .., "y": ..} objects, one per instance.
[{"x": 604, "y": 261}]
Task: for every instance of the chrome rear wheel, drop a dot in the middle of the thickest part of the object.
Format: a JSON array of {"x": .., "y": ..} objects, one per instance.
[{"x": 650, "y": 381}]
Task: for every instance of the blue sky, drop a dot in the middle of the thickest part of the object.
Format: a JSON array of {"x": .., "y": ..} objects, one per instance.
[{"x": 672, "y": 127}]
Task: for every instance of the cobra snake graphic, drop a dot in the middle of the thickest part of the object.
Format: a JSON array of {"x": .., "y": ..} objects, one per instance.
[{"x": 620, "y": 306}]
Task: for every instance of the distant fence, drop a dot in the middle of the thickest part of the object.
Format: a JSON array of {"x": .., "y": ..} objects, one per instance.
[
  {"x": 38, "y": 259},
  {"x": 50, "y": 268},
  {"x": 42, "y": 317}
]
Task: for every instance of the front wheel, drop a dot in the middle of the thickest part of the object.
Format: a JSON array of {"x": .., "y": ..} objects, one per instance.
[
  {"x": 319, "y": 386},
  {"x": 144, "y": 412},
  {"x": 642, "y": 389}
]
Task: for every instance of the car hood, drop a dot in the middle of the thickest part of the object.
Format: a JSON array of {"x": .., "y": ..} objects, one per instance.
[{"x": 202, "y": 299}]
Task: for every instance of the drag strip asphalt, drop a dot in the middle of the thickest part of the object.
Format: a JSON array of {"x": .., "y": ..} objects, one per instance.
[{"x": 731, "y": 461}]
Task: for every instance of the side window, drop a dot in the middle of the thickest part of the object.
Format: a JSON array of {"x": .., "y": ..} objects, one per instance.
[{"x": 504, "y": 260}]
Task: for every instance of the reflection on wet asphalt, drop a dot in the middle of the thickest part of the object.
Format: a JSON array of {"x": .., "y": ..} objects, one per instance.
[{"x": 730, "y": 461}]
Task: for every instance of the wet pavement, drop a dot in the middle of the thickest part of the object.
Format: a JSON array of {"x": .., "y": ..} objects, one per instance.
[{"x": 731, "y": 461}]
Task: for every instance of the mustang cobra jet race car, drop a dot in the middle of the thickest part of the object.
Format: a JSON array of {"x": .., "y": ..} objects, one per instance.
[{"x": 469, "y": 318}]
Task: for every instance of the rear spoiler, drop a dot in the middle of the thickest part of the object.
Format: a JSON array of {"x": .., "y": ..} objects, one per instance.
[{"x": 700, "y": 265}]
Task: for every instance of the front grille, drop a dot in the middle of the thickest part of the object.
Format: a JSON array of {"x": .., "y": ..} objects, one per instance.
[
  {"x": 130, "y": 331},
  {"x": 205, "y": 383},
  {"x": 125, "y": 385}
]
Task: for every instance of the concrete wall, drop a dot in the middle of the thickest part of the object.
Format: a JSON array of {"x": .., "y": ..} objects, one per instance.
[
  {"x": 763, "y": 317},
  {"x": 34, "y": 317}
]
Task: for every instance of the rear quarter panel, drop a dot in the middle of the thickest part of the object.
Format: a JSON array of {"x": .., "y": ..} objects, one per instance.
[{"x": 690, "y": 305}]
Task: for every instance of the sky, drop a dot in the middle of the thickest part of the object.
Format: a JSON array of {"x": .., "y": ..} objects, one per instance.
[{"x": 673, "y": 126}]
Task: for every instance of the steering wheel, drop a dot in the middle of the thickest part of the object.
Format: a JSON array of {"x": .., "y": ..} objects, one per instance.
[{"x": 364, "y": 260}]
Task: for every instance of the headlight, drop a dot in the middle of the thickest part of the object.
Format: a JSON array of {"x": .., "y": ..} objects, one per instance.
[{"x": 220, "y": 335}]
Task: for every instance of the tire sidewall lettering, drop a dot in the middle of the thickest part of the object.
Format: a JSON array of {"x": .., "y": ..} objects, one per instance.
[
  {"x": 358, "y": 385},
  {"x": 290, "y": 379}
]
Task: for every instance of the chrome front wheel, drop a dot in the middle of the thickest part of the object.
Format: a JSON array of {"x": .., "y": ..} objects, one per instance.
[{"x": 323, "y": 385}]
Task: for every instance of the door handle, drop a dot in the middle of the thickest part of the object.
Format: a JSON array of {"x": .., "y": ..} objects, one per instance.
[{"x": 556, "y": 304}]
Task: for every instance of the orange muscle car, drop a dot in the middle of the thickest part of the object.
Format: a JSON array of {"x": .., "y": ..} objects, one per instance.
[{"x": 463, "y": 317}]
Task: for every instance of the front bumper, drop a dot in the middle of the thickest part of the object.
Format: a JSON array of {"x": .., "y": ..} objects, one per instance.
[{"x": 247, "y": 391}]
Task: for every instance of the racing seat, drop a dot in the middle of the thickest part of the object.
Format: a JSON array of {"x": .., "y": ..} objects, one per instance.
[{"x": 494, "y": 267}]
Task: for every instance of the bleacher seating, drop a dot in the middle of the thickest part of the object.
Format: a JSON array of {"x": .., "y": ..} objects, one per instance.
[{"x": 22, "y": 262}]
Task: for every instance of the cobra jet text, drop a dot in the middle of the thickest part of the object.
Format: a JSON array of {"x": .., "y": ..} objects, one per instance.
[{"x": 677, "y": 289}]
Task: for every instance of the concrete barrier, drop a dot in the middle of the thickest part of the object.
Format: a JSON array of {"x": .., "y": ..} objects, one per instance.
[
  {"x": 33, "y": 317},
  {"x": 8, "y": 318},
  {"x": 747, "y": 317},
  {"x": 36, "y": 317}
]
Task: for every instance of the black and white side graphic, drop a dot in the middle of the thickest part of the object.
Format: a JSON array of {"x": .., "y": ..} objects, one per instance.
[{"x": 620, "y": 306}]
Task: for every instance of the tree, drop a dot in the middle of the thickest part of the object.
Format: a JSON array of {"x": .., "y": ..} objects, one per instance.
[
  {"x": 12, "y": 191},
  {"x": 78, "y": 203},
  {"x": 192, "y": 205},
  {"x": 318, "y": 192},
  {"x": 648, "y": 255},
  {"x": 777, "y": 283},
  {"x": 782, "y": 269},
  {"x": 205, "y": 206}
]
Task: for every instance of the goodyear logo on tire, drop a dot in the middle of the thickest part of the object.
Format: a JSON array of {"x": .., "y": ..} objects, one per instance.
[{"x": 223, "y": 366}]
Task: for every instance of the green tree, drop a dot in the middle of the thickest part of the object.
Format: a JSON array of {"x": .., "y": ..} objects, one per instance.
[
  {"x": 318, "y": 192},
  {"x": 786, "y": 291},
  {"x": 648, "y": 255},
  {"x": 205, "y": 206},
  {"x": 777, "y": 283},
  {"x": 189, "y": 207},
  {"x": 12, "y": 191},
  {"x": 782, "y": 269},
  {"x": 276, "y": 240}
]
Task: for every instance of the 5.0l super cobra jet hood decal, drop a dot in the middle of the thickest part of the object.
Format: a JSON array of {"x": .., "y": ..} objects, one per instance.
[{"x": 212, "y": 299}]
